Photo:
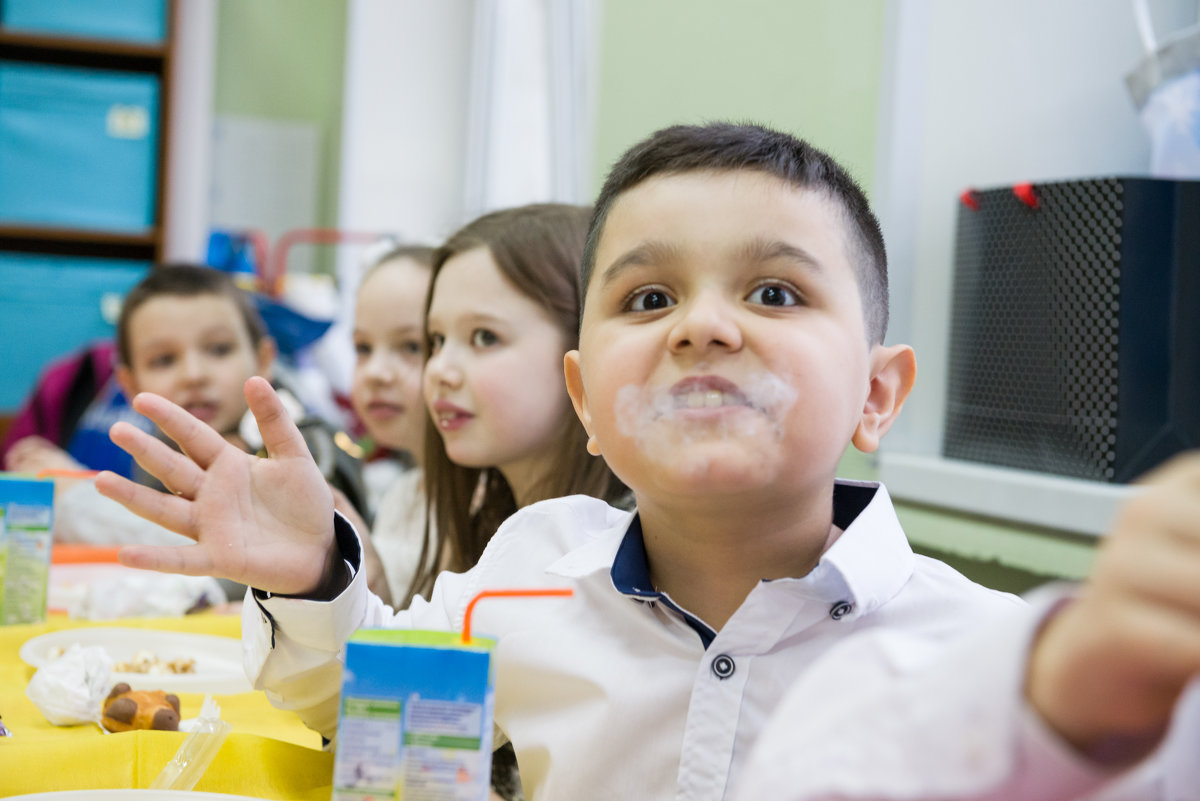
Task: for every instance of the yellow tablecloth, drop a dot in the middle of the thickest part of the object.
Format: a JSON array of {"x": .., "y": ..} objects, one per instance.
[{"x": 268, "y": 754}]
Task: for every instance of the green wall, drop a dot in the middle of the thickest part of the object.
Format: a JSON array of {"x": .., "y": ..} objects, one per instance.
[
  {"x": 283, "y": 60},
  {"x": 812, "y": 67}
]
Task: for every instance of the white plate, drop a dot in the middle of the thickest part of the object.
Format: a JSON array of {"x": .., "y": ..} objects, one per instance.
[
  {"x": 218, "y": 659},
  {"x": 140, "y": 795}
]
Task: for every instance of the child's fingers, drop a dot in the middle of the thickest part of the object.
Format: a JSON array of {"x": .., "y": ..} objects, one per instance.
[
  {"x": 177, "y": 472},
  {"x": 281, "y": 437},
  {"x": 162, "y": 508},
  {"x": 198, "y": 440},
  {"x": 1164, "y": 573},
  {"x": 188, "y": 560},
  {"x": 1182, "y": 470}
]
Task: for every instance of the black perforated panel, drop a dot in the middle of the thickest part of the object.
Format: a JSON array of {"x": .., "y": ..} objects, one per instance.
[{"x": 1033, "y": 368}]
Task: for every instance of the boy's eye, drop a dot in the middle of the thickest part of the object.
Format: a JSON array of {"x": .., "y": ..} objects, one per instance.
[
  {"x": 649, "y": 300},
  {"x": 774, "y": 295},
  {"x": 362, "y": 350},
  {"x": 220, "y": 348},
  {"x": 435, "y": 342},
  {"x": 411, "y": 348},
  {"x": 483, "y": 338},
  {"x": 160, "y": 362}
]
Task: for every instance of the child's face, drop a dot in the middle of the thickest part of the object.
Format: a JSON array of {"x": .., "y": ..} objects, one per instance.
[
  {"x": 389, "y": 347},
  {"x": 493, "y": 382},
  {"x": 194, "y": 350},
  {"x": 723, "y": 349}
]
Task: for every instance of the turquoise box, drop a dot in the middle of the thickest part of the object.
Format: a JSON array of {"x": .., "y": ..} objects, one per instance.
[
  {"x": 78, "y": 147},
  {"x": 416, "y": 717}
]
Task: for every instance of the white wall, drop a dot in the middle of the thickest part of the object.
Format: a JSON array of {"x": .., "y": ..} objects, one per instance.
[
  {"x": 981, "y": 95},
  {"x": 405, "y": 116},
  {"x": 193, "y": 55}
]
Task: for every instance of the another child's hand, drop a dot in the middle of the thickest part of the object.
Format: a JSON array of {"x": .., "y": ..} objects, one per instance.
[
  {"x": 35, "y": 454},
  {"x": 1108, "y": 669},
  {"x": 267, "y": 522}
]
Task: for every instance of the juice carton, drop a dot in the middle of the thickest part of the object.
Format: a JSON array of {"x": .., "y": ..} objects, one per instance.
[
  {"x": 26, "y": 523},
  {"x": 417, "y": 712},
  {"x": 416, "y": 718}
]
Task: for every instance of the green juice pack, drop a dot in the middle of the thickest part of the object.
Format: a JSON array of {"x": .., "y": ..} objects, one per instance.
[{"x": 26, "y": 526}]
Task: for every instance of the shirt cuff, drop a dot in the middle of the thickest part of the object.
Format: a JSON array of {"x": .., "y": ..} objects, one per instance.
[{"x": 346, "y": 542}]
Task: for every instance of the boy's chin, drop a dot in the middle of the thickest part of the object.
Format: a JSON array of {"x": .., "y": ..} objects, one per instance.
[{"x": 718, "y": 472}]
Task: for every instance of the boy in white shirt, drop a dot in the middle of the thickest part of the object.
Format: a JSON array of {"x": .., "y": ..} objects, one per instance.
[{"x": 730, "y": 347}]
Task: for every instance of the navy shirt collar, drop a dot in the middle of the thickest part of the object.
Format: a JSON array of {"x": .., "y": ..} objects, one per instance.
[{"x": 631, "y": 577}]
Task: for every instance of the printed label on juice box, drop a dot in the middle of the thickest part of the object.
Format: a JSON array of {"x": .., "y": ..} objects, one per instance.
[
  {"x": 368, "y": 748},
  {"x": 416, "y": 718}
]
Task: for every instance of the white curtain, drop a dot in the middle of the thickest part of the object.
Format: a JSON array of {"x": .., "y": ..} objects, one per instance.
[{"x": 532, "y": 90}]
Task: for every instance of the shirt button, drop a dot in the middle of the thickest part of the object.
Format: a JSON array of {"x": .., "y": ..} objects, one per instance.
[
  {"x": 841, "y": 609},
  {"x": 723, "y": 666}
]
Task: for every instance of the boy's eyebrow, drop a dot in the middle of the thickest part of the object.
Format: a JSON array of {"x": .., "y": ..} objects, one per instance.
[
  {"x": 760, "y": 250},
  {"x": 651, "y": 252},
  {"x": 755, "y": 251}
]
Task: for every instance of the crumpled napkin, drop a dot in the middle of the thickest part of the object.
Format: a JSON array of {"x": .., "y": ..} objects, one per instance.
[
  {"x": 71, "y": 690},
  {"x": 149, "y": 595}
]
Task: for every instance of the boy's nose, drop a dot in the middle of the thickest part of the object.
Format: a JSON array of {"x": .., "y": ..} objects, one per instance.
[
  {"x": 195, "y": 367},
  {"x": 707, "y": 321}
]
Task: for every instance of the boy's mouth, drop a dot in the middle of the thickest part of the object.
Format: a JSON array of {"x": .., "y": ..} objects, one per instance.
[
  {"x": 707, "y": 392},
  {"x": 201, "y": 410}
]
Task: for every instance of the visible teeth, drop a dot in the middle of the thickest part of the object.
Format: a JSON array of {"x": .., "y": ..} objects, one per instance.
[{"x": 712, "y": 398}]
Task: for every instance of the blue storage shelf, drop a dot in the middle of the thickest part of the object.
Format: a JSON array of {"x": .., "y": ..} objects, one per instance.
[
  {"x": 141, "y": 21},
  {"x": 78, "y": 147},
  {"x": 50, "y": 306}
]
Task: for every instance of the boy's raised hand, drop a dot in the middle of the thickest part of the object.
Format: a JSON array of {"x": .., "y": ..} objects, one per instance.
[
  {"x": 1107, "y": 670},
  {"x": 266, "y": 522}
]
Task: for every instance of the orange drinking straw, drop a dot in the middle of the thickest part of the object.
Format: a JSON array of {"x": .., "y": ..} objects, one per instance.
[
  {"x": 466, "y": 632},
  {"x": 58, "y": 473}
]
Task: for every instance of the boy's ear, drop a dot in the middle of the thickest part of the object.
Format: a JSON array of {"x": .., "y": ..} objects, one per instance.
[
  {"x": 125, "y": 380},
  {"x": 893, "y": 372},
  {"x": 578, "y": 395},
  {"x": 265, "y": 357}
]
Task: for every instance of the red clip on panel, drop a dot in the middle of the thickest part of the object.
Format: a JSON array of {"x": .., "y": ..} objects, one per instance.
[{"x": 1026, "y": 195}]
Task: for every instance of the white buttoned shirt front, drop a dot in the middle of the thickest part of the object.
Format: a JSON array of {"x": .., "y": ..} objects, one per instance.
[{"x": 617, "y": 693}]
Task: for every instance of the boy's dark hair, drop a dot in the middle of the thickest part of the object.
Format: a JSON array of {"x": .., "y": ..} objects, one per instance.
[
  {"x": 186, "y": 280},
  {"x": 724, "y": 146}
]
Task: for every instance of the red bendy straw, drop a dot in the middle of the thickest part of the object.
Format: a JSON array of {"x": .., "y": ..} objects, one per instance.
[{"x": 466, "y": 631}]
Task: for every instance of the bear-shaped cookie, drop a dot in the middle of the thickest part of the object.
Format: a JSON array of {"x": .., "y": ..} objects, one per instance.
[{"x": 126, "y": 709}]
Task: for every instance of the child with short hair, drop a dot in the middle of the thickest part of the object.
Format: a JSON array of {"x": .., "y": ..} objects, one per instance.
[
  {"x": 730, "y": 347},
  {"x": 188, "y": 333}
]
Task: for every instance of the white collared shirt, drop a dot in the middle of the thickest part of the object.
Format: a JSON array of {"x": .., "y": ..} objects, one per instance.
[
  {"x": 949, "y": 721},
  {"x": 618, "y": 693}
]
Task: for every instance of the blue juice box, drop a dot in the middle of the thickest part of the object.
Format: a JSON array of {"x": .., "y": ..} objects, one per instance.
[
  {"x": 416, "y": 716},
  {"x": 26, "y": 526}
]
